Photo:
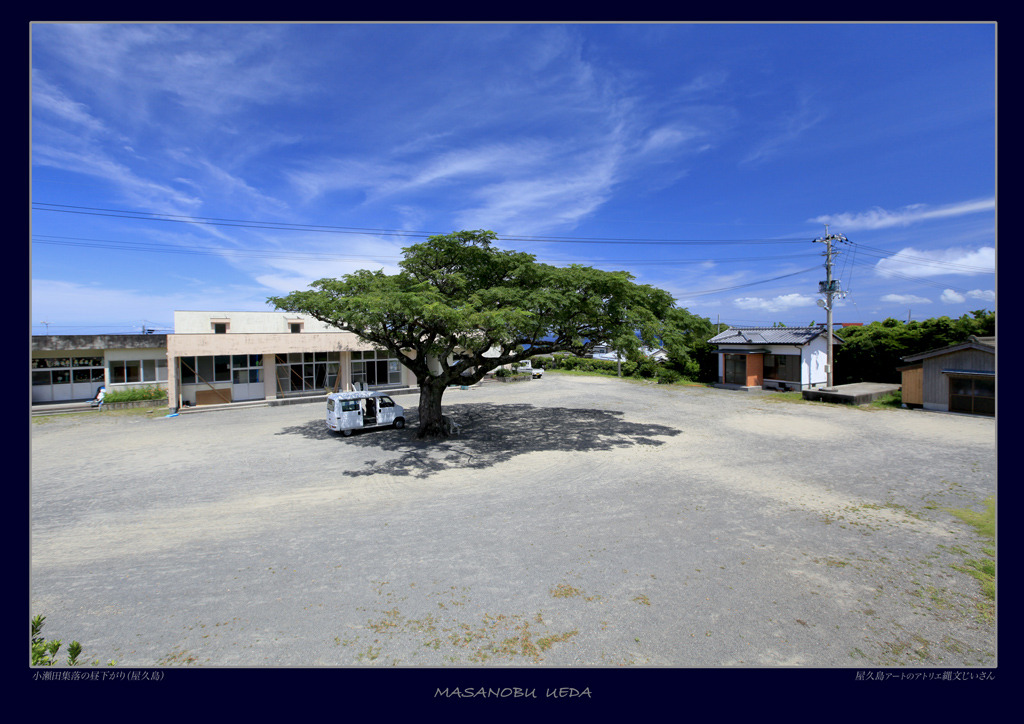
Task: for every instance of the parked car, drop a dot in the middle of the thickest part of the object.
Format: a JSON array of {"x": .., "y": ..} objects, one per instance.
[
  {"x": 348, "y": 411},
  {"x": 535, "y": 372}
]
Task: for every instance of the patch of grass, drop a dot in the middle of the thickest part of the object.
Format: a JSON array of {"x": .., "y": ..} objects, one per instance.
[
  {"x": 893, "y": 400},
  {"x": 982, "y": 569},
  {"x": 564, "y": 590},
  {"x": 643, "y": 599}
]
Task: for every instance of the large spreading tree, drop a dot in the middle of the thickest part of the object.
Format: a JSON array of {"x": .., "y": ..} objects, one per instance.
[{"x": 460, "y": 307}]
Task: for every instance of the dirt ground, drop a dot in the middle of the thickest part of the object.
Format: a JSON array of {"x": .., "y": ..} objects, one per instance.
[{"x": 574, "y": 522}]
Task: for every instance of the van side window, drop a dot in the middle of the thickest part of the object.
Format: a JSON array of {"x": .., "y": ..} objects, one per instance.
[
  {"x": 349, "y": 405},
  {"x": 386, "y": 402}
]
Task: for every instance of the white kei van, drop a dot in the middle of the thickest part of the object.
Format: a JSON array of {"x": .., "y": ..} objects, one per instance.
[{"x": 348, "y": 411}]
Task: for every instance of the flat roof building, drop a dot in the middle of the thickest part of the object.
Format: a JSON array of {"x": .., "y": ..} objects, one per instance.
[{"x": 215, "y": 357}]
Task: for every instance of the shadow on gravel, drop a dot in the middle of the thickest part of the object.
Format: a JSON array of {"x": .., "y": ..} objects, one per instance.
[{"x": 490, "y": 434}]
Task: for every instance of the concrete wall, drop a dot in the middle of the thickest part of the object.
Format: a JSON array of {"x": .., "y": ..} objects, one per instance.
[
  {"x": 80, "y": 342},
  {"x": 246, "y": 322}
]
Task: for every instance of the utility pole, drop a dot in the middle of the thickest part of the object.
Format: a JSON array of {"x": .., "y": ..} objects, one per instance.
[{"x": 830, "y": 288}]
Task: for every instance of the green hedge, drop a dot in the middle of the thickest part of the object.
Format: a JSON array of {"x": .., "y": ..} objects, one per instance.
[{"x": 135, "y": 394}]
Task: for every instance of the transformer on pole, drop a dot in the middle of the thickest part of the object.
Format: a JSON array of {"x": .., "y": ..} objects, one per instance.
[{"x": 830, "y": 288}]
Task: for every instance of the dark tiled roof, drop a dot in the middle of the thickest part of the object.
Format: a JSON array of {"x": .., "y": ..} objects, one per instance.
[{"x": 769, "y": 335}]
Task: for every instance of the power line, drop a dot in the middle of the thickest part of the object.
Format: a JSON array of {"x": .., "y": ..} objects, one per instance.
[
  {"x": 322, "y": 228},
  {"x": 114, "y": 245}
]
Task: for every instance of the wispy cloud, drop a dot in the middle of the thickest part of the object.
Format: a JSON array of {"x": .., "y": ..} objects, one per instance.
[
  {"x": 879, "y": 218},
  {"x": 781, "y": 303},
  {"x": 918, "y": 263},
  {"x": 905, "y": 299},
  {"x": 789, "y": 128}
]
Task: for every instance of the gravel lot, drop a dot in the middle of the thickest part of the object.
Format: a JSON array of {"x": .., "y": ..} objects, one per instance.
[{"x": 576, "y": 521}]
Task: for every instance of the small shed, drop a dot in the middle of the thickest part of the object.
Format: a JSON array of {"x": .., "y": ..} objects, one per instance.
[{"x": 958, "y": 378}]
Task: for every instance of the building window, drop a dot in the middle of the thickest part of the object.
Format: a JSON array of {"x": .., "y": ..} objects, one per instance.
[
  {"x": 147, "y": 370},
  {"x": 306, "y": 371},
  {"x": 376, "y": 368},
  {"x": 220, "y": 327},
  {"x": 782, "y": 367},
  {"x": 976, "y": 396},
  {"x": 295, "y": 327},
  {"x": 201, "y": 370}
]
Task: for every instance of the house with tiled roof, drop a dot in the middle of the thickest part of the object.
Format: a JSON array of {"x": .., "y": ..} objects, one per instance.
[{"x": 782, "y": 358}]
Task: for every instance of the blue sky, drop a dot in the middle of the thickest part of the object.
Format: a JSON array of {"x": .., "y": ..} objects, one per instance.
[{"x": 185, "y": 166}]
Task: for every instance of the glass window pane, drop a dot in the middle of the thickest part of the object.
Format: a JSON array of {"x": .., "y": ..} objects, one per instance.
[
  {"x": 255, "y": 375},
  {"x": 41, "y": 377},
  {"x": 61, "y": 377},
  {"x": 320, "y": 356},
  {"x": 86, "y": 361},
  {"x": 132, "y": 371},
  {"x": 255, "y": 360},
  {"x": 149, "y": 370},
  {"x": 307, "y": 357},
  {"x": 117, "y": 372},
  {"x": 280, "y": 359},
  {"x": 222, "y": 368},
  {"x": 334, "y": 356},
  {"x": 58, "y": 362},
  {"x": 961, "y": 386},
  {"x": 161, "y": 370},
  {"x": 82, "y": 375},
  {"x": 204, "y": 370},
  {"x": 985, "y": 388},
  {"x": 295, "y": 357},
  {"x": 240, "y": 360}
]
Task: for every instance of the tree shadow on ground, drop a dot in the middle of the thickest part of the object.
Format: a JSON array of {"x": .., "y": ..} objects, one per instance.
[{"x": 489, "y": 434}]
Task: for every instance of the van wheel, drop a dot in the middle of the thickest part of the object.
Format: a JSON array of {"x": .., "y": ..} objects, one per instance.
[
  {"x": 346, "y": 433},
  {"x": 400, "y": 423}
]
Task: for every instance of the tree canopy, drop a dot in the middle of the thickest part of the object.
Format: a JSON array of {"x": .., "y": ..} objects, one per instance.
[
  {"x": 874, "y": 351},
  {"x": 460, "y": 307}
]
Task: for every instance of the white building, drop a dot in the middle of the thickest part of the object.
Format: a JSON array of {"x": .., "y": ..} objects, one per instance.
[
  {"x": 793, "y": 358},
  {"x": 214, "y": 358},
  {"x": 217, "y": 357}
]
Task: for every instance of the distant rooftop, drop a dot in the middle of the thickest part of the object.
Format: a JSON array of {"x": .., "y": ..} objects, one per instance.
[{"x": 769, "y": 335}]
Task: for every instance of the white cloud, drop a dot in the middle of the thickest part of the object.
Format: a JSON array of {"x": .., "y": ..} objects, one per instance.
[
  {"x": 987, "y": 295},
  {"x": 951, "y": 297},
  {"x": 879, "y": 218},
  {"x": 905, "y": 299},
  {"x": 780, "y": 303},
  {"x": 914, "y": 263}
]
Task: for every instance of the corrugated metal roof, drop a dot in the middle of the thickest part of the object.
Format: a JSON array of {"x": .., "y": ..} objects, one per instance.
[
  {"x": 769, "y": 335},
  {"x": 988, "y": 345}
]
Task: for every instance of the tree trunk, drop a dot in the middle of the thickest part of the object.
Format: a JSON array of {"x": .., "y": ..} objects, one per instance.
[{"x": 432, "y": 422}]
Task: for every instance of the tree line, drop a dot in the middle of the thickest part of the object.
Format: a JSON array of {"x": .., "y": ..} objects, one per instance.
[{"x": 873, "y": 353}]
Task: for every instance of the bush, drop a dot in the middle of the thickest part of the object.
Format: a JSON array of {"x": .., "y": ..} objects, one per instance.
[
  {"x": 43, "y": 652},
  {"x": 135, "y": 394},
  {"x": 668, "y": 377}
]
